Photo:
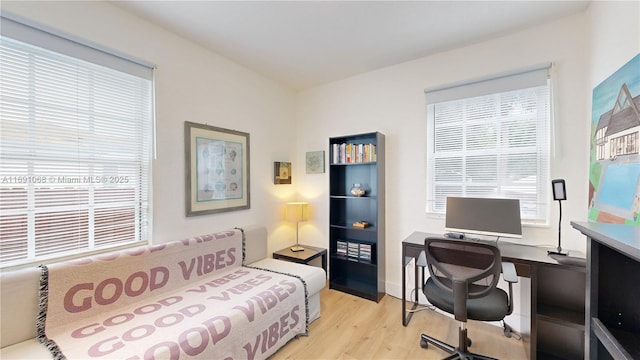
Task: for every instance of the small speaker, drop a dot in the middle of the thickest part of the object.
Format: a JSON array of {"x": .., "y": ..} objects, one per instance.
[{"x": 559, "y": 190}]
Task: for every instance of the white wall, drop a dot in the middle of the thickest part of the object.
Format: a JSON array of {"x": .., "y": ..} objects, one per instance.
[
  {"x": 197, "y": 85},
  {"x": 614, "y": 33},
  {"x": 391, "y": 100}
]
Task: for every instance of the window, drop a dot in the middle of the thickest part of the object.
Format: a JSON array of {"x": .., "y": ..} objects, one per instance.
[
  {"x": 490, "y": 138},
  {"x": 624, "y": 145},
  {"x": 75, "y": 147},
  {"x": 601, "y": 141}
]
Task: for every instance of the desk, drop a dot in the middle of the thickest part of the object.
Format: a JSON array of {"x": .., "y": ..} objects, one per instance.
[{"x": 557, "y": 297}]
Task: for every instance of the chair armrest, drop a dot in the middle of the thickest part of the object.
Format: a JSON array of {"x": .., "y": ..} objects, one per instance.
[{"x": 509, "y": 272}]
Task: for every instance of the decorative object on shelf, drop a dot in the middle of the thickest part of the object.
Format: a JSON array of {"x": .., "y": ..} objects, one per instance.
[
  {"x": 357, "y": 190},
  {"x": 281, "y": 173},
  {"x": 559, "y": 193},
  {"x": 217, "y": 169},
  {"x": 296, "y": 212},
  {"x": 315, "y": 162},
  {"x": 360, "y": 224}
]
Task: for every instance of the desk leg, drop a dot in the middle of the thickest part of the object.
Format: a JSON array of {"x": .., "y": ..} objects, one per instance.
[
  {"x": 415, "y": 285},
  {"x": 406, "y": 317}
]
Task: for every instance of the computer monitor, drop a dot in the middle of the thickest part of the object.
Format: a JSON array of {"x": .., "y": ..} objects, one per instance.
[{"x": 484, "y": 216}]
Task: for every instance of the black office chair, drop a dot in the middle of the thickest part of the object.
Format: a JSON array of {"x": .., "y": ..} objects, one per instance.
[{"x": 462, "y": 282}]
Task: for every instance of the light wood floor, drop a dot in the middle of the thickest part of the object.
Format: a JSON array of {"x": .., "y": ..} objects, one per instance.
[{"x": 354, "y": 328}]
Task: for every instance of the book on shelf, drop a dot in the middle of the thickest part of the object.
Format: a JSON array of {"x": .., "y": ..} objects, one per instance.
[{"x": 353, "y": 153}]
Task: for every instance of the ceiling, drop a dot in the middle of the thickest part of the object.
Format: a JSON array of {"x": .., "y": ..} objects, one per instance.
[{"x": 307, "y": 43}]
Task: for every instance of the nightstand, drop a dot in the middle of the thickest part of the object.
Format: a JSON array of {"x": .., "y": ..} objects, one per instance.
[{"x": 302, "y": 257}]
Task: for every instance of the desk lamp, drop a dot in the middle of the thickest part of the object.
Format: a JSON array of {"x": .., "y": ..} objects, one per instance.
[
  {"x": 559, "y": 193},
  {"x": 297, "y": 211}
]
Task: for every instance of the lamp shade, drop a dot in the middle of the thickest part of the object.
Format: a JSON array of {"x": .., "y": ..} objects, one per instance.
[{"x": 297, "y": 211}]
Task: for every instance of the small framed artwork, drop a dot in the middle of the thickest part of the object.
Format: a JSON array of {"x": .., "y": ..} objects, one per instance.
[
  {"x": 315, "y": 162},
  {"x": 217, "y": 169},
  {"x": 281, "y": 173}
]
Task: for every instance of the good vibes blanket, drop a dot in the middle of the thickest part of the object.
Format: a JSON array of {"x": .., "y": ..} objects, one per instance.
[{"x": 179, "y": 300}]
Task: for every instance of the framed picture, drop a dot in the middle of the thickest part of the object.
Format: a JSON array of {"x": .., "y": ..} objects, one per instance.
[
  {"x": 281, "y": 173},
  {"x": 217, "y": 169},
  {"x": 315, "y": 162}
]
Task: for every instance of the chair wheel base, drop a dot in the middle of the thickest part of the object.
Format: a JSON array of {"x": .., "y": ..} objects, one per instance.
[
  {"x": 507, "y": 330},
  {"x": 456, "y": 353}
]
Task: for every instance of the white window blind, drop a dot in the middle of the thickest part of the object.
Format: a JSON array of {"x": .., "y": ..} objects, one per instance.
[
  {"x": 75, "y": 151},
  {"x": 487, "y": 139}
]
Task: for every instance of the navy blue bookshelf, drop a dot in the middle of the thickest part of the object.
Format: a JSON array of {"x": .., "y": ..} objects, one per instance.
[{"x": 357, "y": 275}]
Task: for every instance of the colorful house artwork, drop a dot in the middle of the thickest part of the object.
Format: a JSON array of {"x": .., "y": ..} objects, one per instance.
[{"x": 614, "y": 177}]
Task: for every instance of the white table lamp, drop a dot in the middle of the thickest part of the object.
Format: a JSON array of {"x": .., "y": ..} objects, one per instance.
[{"x": 296, "y": 212}]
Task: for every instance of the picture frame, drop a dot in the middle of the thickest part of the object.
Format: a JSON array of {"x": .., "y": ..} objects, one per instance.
[
  {"x": 217, "y": 169},
  {"x": 315, "y": 162},
  {"x": 281, "y": 173}
]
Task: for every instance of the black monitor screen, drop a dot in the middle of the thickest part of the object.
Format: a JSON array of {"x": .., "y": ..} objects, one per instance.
[{"x": 485, "y": 216}]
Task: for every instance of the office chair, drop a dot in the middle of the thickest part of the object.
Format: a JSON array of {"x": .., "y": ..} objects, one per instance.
[{"x": 463, "y": 281}]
